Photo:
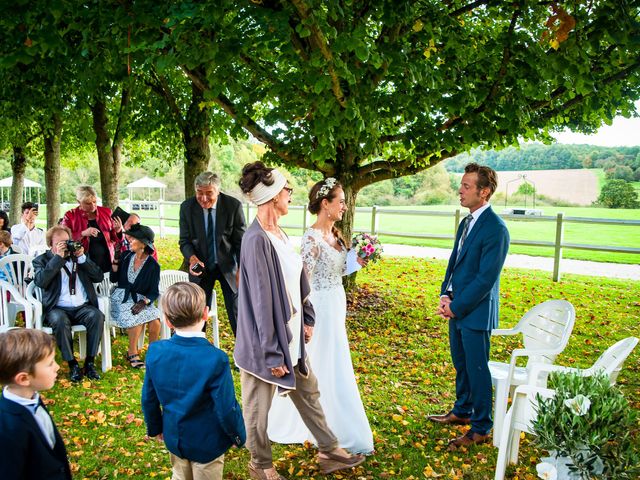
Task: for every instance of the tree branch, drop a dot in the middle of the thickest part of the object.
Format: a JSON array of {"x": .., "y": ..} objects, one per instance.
[
  {"x": 388, "y": 169},
  {"x": 161, "y": 87},
  {"x": 469, "y": 7},
  {"x": 320, "y": 42},
  {"x": 506, "y": 56},
  {"x": 248, "y": 123},
  {"x": 622, "y": 74},
  {"x": 124, "y": 103}
]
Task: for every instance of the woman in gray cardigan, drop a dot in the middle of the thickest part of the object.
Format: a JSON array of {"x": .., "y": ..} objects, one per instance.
[{"x": 275, "y": 319}]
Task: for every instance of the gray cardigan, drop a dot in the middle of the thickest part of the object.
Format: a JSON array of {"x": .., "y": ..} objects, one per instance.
[{"x": 263, "y": 335}]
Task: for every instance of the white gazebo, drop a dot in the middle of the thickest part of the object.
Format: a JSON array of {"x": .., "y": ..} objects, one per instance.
[
  {"x": 146, "y": 184},
  {"x": 27, "y": 192}
]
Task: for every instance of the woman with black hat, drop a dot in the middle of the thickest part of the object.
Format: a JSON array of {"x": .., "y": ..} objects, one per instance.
[{"x": 138, "y": 277}]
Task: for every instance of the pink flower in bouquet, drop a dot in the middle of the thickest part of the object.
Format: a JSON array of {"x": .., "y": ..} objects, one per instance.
[{"x": 367, "y": 246}]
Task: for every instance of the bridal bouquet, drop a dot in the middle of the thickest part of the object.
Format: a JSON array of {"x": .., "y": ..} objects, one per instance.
[{"x": 367, "y": 246}]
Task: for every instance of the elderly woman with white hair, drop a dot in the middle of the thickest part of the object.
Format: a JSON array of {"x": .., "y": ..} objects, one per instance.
[
  {"x": 275, "y": 320},
  {"x": 93, "y": 227}
]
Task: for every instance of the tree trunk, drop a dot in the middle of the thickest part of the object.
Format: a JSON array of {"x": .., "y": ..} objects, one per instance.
[
  {"x": 52, "y": 138},
  {"x": 18, "y": 167},
  {"x": 108, "y": 165},
  {"x": 196, "y": 140},
  {"x": 346, "y": 226}
]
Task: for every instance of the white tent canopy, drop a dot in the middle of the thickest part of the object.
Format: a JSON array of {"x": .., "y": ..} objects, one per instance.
[
  {"x": 29, "y": 185},
  {"x": 148, "y": 184}
]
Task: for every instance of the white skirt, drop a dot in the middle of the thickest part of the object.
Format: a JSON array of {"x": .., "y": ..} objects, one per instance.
[{"x": 330, "y": 360}]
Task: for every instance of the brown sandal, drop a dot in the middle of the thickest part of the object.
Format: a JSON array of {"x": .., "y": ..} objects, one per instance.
[
  {"x": 338, "y": 462},
  {"x": 134, "y": 360},
  {"x": 259, "y": 474}
]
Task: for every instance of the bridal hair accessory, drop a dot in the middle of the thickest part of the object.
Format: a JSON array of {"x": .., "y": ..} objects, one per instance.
[
  {"x": 262, "y": 193},
  {"x": 329, "y": 183}
]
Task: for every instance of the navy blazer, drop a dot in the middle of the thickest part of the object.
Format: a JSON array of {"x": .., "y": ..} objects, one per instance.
[
  {"x": 230, "y": 227},
  {"x": 25, "y": 453},
  {"x": 188, "y": 396},
  {"x": 476, "y": 273}
]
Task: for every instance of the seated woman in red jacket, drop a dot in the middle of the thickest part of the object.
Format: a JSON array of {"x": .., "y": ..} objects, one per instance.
[{"x": 93, "y": 226}]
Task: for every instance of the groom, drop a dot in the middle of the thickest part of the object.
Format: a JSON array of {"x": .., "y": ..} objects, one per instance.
[{"x": 469, "y": 300}]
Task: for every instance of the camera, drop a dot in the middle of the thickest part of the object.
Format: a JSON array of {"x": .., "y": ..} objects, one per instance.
[{"x": 73, "y": 246}]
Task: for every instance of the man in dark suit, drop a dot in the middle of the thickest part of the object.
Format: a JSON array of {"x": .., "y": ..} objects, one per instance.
[
  {"x": 469, "y": 299},
  {"x": 211, "y": 228},
  {"x": 69, "y": 298}
]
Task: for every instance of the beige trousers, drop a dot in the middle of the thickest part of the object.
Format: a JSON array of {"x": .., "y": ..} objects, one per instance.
[
  {"x": 256, "y": 402},
  {"x": 187, "y": 470}
]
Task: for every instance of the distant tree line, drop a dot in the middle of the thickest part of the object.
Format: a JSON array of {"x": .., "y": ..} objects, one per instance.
[{"x": 617, "y": 162}]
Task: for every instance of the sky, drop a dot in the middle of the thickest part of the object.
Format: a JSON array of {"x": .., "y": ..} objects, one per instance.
[{"x": 623, "y": 132}]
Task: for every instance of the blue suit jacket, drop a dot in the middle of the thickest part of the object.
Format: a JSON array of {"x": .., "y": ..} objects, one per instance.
[
  {"x": 476, "y": 274},
  {"x": 25, "y": 454},
  {"x": 188, "y": 396}
]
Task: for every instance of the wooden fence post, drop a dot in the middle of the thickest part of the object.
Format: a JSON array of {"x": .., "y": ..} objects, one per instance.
[
  {"x": 374, "y": 220},
  {"x": 456, "y": 223},
  {"x": 161, "y": 217},
  {"x": 305, "y": 218},
  {"x": 557, "y": 257}
]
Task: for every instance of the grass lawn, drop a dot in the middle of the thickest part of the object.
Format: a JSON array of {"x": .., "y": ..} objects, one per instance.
[{"x": 401, "y": 357}]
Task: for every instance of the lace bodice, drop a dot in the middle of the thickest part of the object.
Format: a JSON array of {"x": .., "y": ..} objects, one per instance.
[{"x": 324, "y": 263}]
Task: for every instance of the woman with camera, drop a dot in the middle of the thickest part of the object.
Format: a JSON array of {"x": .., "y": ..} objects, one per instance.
[
  {"x": 93, "y": 227},
  {"x": 138, "y": 277}
]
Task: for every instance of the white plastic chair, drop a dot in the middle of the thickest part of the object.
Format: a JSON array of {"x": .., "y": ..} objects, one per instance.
[
  {"x": 523, "y": 408},
  {"x": 7, "y": 316},
  {"x": 103, "y": 289},
  {"x": 18, "y": 268},
  {"x": 545, "y": 330},
  {"x": 520, "y": 418},
  {"x": 34, "y": 297},
  {"x": 168, "y": 278},
  {"x": 609, "y": 363}
]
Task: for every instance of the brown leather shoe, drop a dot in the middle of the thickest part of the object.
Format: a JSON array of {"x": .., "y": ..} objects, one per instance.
[
  {"x": 469, "y": 438},
  {"x": 449, "y": 419}
]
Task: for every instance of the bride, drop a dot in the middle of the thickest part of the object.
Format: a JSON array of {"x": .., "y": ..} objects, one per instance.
[{"x": 324, "y": 252}]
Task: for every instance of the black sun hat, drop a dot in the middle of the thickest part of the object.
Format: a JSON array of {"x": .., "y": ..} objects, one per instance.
[{"x": 142, "y": 233}]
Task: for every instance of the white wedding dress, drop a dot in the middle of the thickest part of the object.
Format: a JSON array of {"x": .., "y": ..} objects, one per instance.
[{"x": 329, "y": 357}]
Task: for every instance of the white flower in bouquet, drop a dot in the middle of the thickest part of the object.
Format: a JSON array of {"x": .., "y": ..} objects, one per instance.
[
  {"x": 546, "y": 471},
  {"x": 579, "y": 404}
]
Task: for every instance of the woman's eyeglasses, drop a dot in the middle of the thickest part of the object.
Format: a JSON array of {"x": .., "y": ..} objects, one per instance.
[{"x": 289, "y": 190}]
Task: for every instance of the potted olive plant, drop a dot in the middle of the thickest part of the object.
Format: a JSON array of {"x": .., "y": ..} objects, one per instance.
[{"x": 589, "y": 430}]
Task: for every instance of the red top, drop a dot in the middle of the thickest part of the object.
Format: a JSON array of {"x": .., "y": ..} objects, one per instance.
[{"x": 76, "y": 219}]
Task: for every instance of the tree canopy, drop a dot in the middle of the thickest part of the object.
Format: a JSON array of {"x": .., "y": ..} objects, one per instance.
[{"x": 357, "y": 89}]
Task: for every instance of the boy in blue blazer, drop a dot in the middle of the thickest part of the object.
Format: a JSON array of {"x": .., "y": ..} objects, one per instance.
[
  {"x": 188, "y": 397},
  {"x": 30, "y": 446}
]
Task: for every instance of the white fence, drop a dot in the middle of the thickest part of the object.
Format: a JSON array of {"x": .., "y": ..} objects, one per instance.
[{"x": 156, "y": 211}]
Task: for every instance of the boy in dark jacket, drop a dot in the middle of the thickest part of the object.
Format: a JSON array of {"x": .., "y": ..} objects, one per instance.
[
  {"x": 30, "y": 446},
  {"x": 188, "y": 397}
]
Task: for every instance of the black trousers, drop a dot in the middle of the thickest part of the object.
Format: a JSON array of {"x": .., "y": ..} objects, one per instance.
[
  {"x": 61, "y": 319},
  {"x": 207, "y": 282}
]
